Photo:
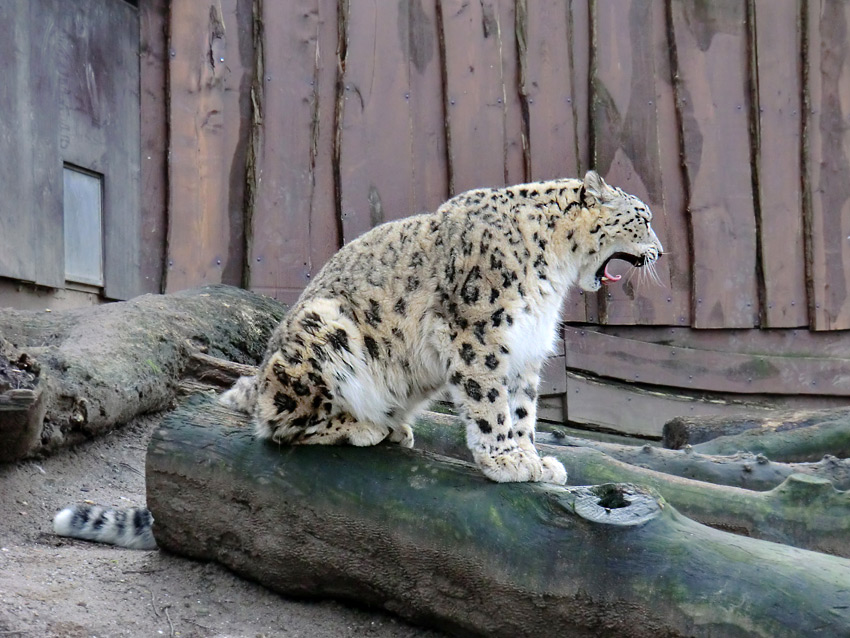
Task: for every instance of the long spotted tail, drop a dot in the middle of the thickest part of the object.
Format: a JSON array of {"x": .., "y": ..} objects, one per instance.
[{"x": 130, "y": 527}]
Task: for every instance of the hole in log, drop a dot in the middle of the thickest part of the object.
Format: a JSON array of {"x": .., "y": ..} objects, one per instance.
[
  {"x": 620, "y": 504},
  {"x": 613, "y": 499}
]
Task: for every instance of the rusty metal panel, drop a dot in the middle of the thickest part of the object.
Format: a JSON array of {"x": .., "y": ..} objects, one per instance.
[
  {"x": 206, "y": 73},
  {"x": 630, "y": 80},
  {"x": 827, "y": 164},
  {"x": 713, "y": 104},
  {"x": 778, "y": 163},
  {"x": 294, "y": 217}
]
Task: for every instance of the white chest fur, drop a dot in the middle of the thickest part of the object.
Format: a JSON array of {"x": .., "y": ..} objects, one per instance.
[{"x": 532, "y": 336}]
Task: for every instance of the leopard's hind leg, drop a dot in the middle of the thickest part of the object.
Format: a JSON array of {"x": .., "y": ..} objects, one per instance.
[{"x": 344, "y": 429}]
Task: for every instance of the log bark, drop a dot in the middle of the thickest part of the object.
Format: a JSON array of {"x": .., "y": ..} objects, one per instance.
[
  {"x": 810, "y": 443},
  {"x": 692, "y": 430},
  {"x": 746, "y": 470},
  {"x": 95, "y": 368},
  {"x": 803, "y": 511},
  {"x": 430, "y": 539}
]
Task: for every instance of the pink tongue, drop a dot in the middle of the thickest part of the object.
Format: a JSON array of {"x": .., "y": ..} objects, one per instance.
[{"x": 607, "y": 276}]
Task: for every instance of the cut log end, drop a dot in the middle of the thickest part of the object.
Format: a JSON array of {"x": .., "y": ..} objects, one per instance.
[{"x": 619, "y": 504}]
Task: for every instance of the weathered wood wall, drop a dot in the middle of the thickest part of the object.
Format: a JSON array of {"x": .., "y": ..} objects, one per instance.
[
  {"x": 69, "y": 95},
  {"x": 294, "y": 127}
]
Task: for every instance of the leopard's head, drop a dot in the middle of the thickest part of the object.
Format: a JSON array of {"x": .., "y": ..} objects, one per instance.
[{"x": 612, "y": 225}]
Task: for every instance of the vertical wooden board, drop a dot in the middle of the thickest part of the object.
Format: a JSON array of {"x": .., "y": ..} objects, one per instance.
[
  {"x": 236, "y": 103},
  {"x": 280, "y": 259},
  {"x": 428, "y": 127},
  {"x": 153, "y": 51},
  {"x": 474, "y": 94},
  {"x": 549, "y": 89},
  {"x": 827, "y": 166},
  {"x": 779, "y": 163},
  {"x": 515, "y": 151},
  {"x": 713, "y": 104},
  {"x": 31, "y": 239},
  {"x": 325, "y": 237},
  {"x": 579, "y": 36},
  {"x": 199, "y": 224},
  {"x": 673, "y": 213},
  {"x": 102, "y": 116},
  {"x": 579, "y": 305},
  {"x": 375, "y": 155},
  {"x": 626, "y": 144}
]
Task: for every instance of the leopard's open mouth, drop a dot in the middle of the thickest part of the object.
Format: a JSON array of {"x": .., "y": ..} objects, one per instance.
[{"x": 605, "y": 277}]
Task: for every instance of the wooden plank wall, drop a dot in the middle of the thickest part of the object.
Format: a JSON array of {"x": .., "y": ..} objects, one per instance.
[
  {"x": 327, "y": 117},
  {"x": 208, "y": 62},
  {"x": 730, "y": 119}
]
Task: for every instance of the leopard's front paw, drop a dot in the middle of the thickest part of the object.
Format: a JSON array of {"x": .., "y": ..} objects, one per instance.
[
  {"x": 553, "y": 471},
  {"x": 511, "y": 466},
  {"x": 401, "y": 434}
]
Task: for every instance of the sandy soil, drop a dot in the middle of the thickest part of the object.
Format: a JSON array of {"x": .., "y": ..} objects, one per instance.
[{"x": 57, "y": 587}]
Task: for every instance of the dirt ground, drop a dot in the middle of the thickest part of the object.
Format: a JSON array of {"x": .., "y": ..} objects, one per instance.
[{"x": 56, "y": 587}]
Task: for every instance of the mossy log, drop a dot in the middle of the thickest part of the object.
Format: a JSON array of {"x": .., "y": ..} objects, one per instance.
[
  {"x": 430, "y": 539},
  {"x": 803, "y": 511},
  {"x": 810, "y": 443},
  {"x": 747, "y": 470},
  {"x": 692, "y": 430},
  {"x": 91, "y": 369}
]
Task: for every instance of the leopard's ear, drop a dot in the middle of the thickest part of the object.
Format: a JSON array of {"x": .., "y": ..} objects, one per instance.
[{"x": 594, "y": 186}]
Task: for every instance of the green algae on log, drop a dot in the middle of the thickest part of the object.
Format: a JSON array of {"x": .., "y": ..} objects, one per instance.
[
  {"x": 809, "y": 443},
  {"x": 744, "y": 469},
  {"x": 429, "y": 538},
  {"x": 821, "y": 522}
]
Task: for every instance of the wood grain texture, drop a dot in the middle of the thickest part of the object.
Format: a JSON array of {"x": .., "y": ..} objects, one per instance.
[
  {"x": 713, "y": 108},
  {"x": 293, "y": 221},
  {"x": 636, "y": 361},
  {"x": 627, "y": 38},
  {"x": 552, "y": 561},
  {"x": 205, "y": 67},
  {"x": 475, "y": 41},
  {"x": 376, "y": 155},
  {"x": 427, "y": 115},
  {"x": 153, "y": 109},
  {"x": 793, "y": 342},
  {"x": 828, "y": 163},
  {"x": 548, "y": 88},
  {"x": 98, "y": 65},
  {"x": 778, "y": 163},
  {"x": 31, "y": 242},
  {"x": 643, "y": 410}
]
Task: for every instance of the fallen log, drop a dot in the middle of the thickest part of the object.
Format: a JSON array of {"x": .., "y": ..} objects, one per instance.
[
  {"x": 430, "y": 539},
  {"x": 810, "y": 443},
  {"x": 747, "y": 470},
  {"x": 96, "y": 368},
  {"x": 803, "y": 511},
  {"x": 692, "y": 430}
]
